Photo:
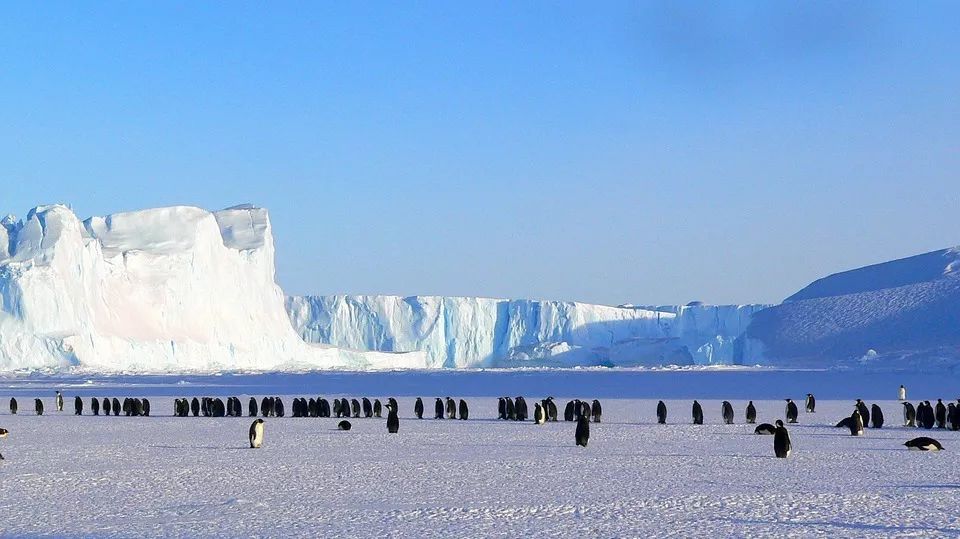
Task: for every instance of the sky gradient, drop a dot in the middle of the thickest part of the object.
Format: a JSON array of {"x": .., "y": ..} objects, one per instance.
[{"x": 649, "y": 153}]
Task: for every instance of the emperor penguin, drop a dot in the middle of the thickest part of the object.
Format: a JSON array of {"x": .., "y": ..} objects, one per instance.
[
  {"x": 941, "y": 414},
  {"x": 864, "y": 411},
  {"x": 791, "y": 411},
  {"x": 146, "y": 408},
  {"x": 194, "y": 407},
  {"x": 264, "y": 406},
  {"x": 520, "y": 408},
  {"x": 377, "y": 408},
  {"x": 252, "y": 407},
  {"x": 697, "y": 413},
  {"x": 511, "y": 409},
  {"x": 929, "y": 417},
  {"x": 106, "y": 406},
  {"x": 856, "y": 424},
  {"x": 393, "y": 402},
  {"x": 38, "y": 406},
  {"x": 766, "y": 428},
  {"x": 953, "y": 418},
  {"x": 277, "y": 407},
  {"x": 539, "y": 415},
  {"x": 77, "y": 405},
  {"x": 902, "y": 393},
  {"x": 585, "y": 409},
  {"x": 13, "y": 406},
  {"x": 355, "y": 408},
  {"x": 438, "y": 409},
  {"x": 551, "y": 409},
  {"x": 751, "y": 413},
  {"x": 597, "y": 411},
  {"x": 367, "y": 408},
  {"x": 876, "y": 416},
  {"x": 344, "y": 425},
  {"x": 568, "y": 411},
  {"x": 583, "y": 431},
  {"x": 464, "y": 410},
  {"x": 727, "y": 411},
  {"x": 393, "y": 421},
  {"x": 781, "y": 441},
  {"x": 95, "y": 406},
  {"x": 3, "y": 434},
  {"x": 501, "y": 408},
  {"x": 661, "y": 413},
  {"x": 256, "y": 433},
  {"x": 811, "y": 403},
  {"x": 59, "y": 402},
  {"x": 116, "y": 406},
  {"x": 923, "y": 444},
  {"x": 451, "y": 408},
  {"x": 909, "y": 415},
  {"x": 418, "y": 408}
]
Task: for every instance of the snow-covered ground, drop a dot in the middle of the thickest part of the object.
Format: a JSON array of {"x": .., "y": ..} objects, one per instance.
[{"x": 163, "y": 476}]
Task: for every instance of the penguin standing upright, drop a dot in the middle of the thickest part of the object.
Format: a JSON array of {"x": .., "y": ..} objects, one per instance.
[
  {"x": 781, "y": 441},
  {"x": 95, "y": 406},
  {"x": 13, "y": 406},
  {"x": 856, "y": 424},
  {"x": 520, "y": 409},
  {"x": 438, "y": 409},
  {"x": 941, "y": 414},
  {"x": 418, "y": 408},
  {"x": 195, "y": 407},
  {"x": 902, "y": 393},
  {"x": 377, "y": 408},
  {"x": 661, "y": 413},
  {"x": 277, "y": 407},
  {"x": 252, "y": 407},
  {"x": 106, "y": 406},
  {"x": 928, "y": 416},
  {"x": 146, "y": 408},
  {"x": 116, "y": 406},
  {"x": 77, "y": 405},
  {"x": 751, "y": 413},
  {"x": 367, "y": 408},
  {"x": 876, "y": 416},
  {"x": 38, "y": 406},
  {"x": 393, "y": 421},
  {"x": 256, "y": 433},
  {"x": 597, "y": 411},
  {"x": 791, "y": 411},
  {"x": 551, "y": 409},
  {"x": 811, "y": 403},
  {"x": 697, "y": 413},
  {"x": 451, "y": 408},
  {"x": 953, "y": 417},
  {"x": 569, "y": 411},
  {"x": 501, "y": 408},
  {"x": 539, "y": 415},
  {"x": 909, "y": 415},
  {"x": 355, "y": 407},
  {"x": 59, "y": 402},
  {"x": 727, "y": 412},
  {"x": 864, "y": 412},
  {"x": 583, "y": 431},
  {"x": 464, "y": 410}
]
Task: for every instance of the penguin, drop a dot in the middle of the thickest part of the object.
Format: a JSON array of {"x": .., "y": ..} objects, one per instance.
[
  {"x": 697, "y": 413},
  {"x": 923, "y": 444},
  {"x": 751, "y": 413},
  {"x": 902, "y": 393},
  {"x": 13, "y": 406},
  {"x": 551, "y": 409},
  {"x": 127, "y": 406},
  {"x": 418, "y": 408},
  {"x": 355, "y": 408},
  {"x": 393, "y": 421},
  {"x": 38, "y": 406},
  {"x": 252, "y": 407},
  {"x": 811, "y": 403},
  {"x": 77, "y": 405},
  {"x": 195, "y": 407},
  {"x": 539, "y": 415},
  {"x": 791, "y": 411},
  {"x": 451, "y": 409},
  {"x": 116, "y": 406},
  {"x": 909, "y": 415},
  {"x": 928, "y": 415},
  {"x": 856, "y": 424},
  {"x": 3, "y": 434},
  {"x": 520, "y": 408},
  {"x": 864, "y": 412},
  {"x": 661, "y": 413},
  {"x": 367, "y": 408},
  {"x": 138, "y": 407},
  {"x": 583, "y": 431},
  {"x": 781, "y": 441},
  {"x": 219, "y": 410},
  {"x": 264, "y": 407},
  {"x": 585, "y": 409},
  {"x": 336, "y": 408},
  {"x": 765, "y": 428},
  {"x": 106, "y": 406},
  {"x": 464, "y": 410},
  {"x": 511, "y": 410},
  {"x": 501, "y": 408},
  {"x": 941, "y": 414},
  {"x": 343, "y": 425},
  {"x": 845, "y": 423},
  {"x": 876, "y": 416},
  {"x": 59, "y": 402},
  {"x": 568, "y": 411},
  {"x": 345, "y": 407},
  {"x": 953, "y": 416},
  {"x": 597, "y": 411},
  {"x": 393, "y": 402},
  {"x": 277, "y": 407},
  {"x": 438, "y": 409},
  {"x": 145, "y": 409},
  {"x": 95, "y": 406},
  {"x": 727, "y": 411},
  {"x": 256, "y": 433},
  {"x": 377, "y": 408}
]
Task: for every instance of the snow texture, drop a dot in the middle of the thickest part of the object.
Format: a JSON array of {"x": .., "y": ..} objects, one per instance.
[
  {"x": 167, "y": 289},
  {"x": 907, "y": 312},
  {"x": 196, "y": 477},
  {"x": 459, "y": 332}
]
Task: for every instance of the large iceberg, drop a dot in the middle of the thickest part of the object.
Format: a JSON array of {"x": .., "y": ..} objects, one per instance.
[
  {"x": 168, "y": 289},
  {"x": 457, "y": 332}
]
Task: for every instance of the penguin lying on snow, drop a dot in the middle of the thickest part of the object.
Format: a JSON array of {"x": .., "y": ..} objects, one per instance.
[
  {"x": 923, "y": 444},
  {"x": 344, "y": 425},
  {"x": 765, "y": 428}
]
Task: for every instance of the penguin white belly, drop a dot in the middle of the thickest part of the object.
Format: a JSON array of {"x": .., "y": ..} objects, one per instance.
[{"x": 257, "y": 436}]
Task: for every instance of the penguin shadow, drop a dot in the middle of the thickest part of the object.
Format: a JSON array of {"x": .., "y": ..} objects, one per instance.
[
  {"x": 213, "y": 447},
  {"x": 899, "y": 528}
]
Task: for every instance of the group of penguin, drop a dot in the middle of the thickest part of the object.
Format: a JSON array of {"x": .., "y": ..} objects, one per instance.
[{"x": 129, "y": 406}]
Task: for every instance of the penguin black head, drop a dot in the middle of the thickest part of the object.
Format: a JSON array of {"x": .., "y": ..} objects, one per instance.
[
  {"x": 788, "y": 400},
  {"x": 258, "y": 420},
  {"x": 779, "y": 423}
]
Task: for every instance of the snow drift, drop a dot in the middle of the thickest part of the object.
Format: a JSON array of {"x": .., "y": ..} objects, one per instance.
[
  {"x": 899, "y": 313},
  {"x": 168, "y": 289},
  {"x": 481, "y": 332}
]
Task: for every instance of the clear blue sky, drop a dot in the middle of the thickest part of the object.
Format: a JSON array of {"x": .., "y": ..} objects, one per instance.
[{"x": 602, "y": 152}]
